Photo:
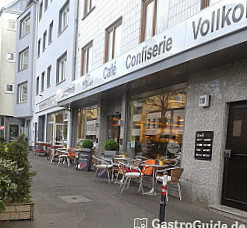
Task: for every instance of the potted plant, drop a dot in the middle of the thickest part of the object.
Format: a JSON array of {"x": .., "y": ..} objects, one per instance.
[
  {"x": 87, "y": 145},
  {"x": 15, "y": 185},
  {"x": 110, "y": 147}
]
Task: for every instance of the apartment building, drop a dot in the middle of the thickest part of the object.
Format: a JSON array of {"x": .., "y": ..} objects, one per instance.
[
  {"x": 24, "y": 72},
  {"x": 54, "y": 69},
  {"x": 158, "y": 75},
  {"x": 10, "y": 127}
]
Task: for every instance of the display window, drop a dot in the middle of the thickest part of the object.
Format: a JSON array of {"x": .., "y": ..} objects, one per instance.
[
  {"x": 156, "y": 124},
  {"x": 87, "y": 125},
  {"x": 58, "y": 128}
]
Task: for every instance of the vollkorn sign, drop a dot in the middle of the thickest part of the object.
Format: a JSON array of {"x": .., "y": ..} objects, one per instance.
[{"x": 219, "y": 20}]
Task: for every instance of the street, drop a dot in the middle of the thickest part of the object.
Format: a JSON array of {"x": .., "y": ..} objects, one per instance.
[{"x": 65, "y": 198}]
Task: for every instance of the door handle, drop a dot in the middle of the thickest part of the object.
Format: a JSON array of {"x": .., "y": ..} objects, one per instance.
[{"x": 227, "y": 153}]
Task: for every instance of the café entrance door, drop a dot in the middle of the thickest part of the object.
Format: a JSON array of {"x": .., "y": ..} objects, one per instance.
[{"x": 235, "y": 161}]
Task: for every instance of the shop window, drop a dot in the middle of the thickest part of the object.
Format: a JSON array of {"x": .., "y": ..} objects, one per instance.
[
  {"x": 86, "y": 61},
  {"x": 155, "y": 16},
  {"x": 58, "y": 128},
  {"x": 113, "y": 40},
  {"x": 22, "y": 93},
  {"x": 23, "y": 59},
  {"x": 155, "y": 122},
  {"x": 61, "y": 68},
  {"x": 64, "y": 17},
  {"x": 25, "y": 26},
  {"x": 87, "y": 124},
  {"x": 48, "y": 76},
  {"x": 50, "y": 32}
]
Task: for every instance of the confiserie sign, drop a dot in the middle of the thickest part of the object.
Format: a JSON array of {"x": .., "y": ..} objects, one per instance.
[{"x": 216, "y": 21}]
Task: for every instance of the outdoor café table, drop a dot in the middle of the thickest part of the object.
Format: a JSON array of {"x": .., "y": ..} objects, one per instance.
[
  {"x": 64, "y": 153},
  {"x": 154, "y": 166},
  {"x": 53, "y": 154}
]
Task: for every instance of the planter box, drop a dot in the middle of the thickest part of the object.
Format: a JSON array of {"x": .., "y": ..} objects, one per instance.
[{"x": 17, "y": 211}]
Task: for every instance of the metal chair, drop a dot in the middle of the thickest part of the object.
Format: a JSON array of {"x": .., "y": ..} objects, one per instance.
[
  {"x": 131, "y": 172},
  {"x": 102, "y": 164},
  {"x": 172, "y": 180}
]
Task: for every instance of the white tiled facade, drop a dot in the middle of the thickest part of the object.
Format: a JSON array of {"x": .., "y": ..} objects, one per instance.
[{"x": 93, "y": 26}]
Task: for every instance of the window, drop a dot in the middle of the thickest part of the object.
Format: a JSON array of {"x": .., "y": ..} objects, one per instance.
[
  {"x": 23, "y": 59},
  {"x": 37, "y": 85},
  {"x": 39, "y": 47},
  {"x": 12, "y": 25},
  {"x": 46, "y": 4},
  {"x": 25, "y": 26},
  {"x": 40, "y": 10},
  {"x": 43, "y": 81},
  {"x": 61, "y": 68},
  {"x": 50, "y": 32},
  {"x": 10, "y": 57},
  {"x": 44, "y": 40},
  {"x": 64, "y": 17},
  {"x": 155, "y": 17},
  {"x": 9, "y": 88},
  {"x": 87, "y": 6},
  {"x": 113, "y": 43},
  {"x": 86, "y": 61},
  {"x": 48, "y": 75},
  {"x": 206, "y": 3},
  {"x": 22, "y": 92},
  {"x": 156, "y": 121}
]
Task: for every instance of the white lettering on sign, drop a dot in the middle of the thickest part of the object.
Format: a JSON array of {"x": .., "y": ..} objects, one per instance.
[
  {"x": 216, "y": 21},
  {"x": 47, "y": 103}
]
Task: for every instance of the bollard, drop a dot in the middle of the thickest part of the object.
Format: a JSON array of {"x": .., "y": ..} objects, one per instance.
[{"x": 163, "y": 199}]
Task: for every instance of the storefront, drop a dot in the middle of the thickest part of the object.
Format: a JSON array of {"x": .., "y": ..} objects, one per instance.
[{"x": 194, "y": 96}]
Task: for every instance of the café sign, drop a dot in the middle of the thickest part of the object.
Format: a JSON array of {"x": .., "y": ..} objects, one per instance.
[
  {"x": 47, "y": 103},
  {"x": 220, "y": 19}
]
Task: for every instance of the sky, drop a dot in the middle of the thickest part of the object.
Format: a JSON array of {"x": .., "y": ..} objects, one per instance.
[{"x": 4, "y": 2}]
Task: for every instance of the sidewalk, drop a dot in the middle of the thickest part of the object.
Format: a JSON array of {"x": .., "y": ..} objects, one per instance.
[{"x": 97, "y": 204}]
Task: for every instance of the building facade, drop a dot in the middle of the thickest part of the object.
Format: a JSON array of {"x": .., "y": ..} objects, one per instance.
[
  {"x": 25, "y": 49},
  {"x": 158, "y": 75},
  {"x": 10, "y": 126},
  {"x": 54, "y": 69}
]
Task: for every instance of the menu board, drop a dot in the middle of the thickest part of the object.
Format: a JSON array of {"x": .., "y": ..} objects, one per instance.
[{"x": 204, "y": 145}]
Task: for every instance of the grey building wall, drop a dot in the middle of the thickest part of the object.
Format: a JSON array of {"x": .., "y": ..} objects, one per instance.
[
  {"x": 28, "y": 41},
  {"x": 202, "y": 180}
]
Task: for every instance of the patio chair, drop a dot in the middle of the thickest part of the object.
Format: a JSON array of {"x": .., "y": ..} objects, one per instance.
[
  {"x": 134, "y": 172},
  {"x": 117, "y": 168},
  {"x": 102, "y": 164},
  {"x": 173, "y": 180},
  {"x": 131, "y": 172}
]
